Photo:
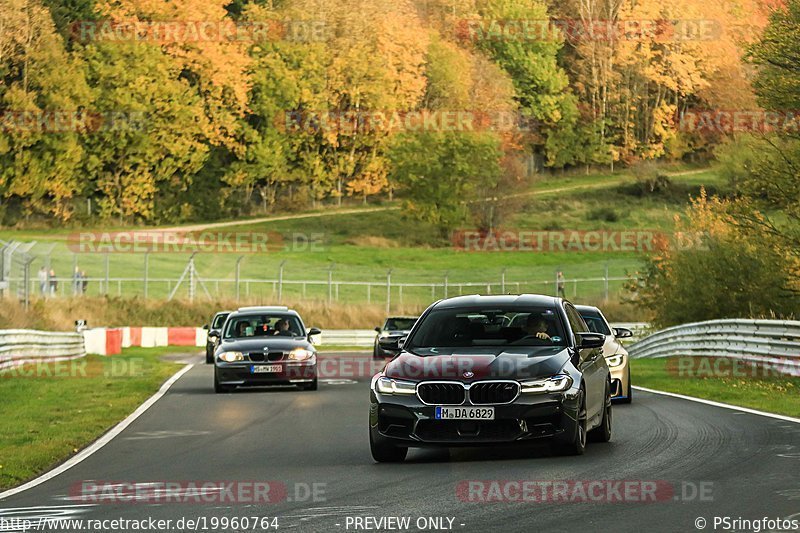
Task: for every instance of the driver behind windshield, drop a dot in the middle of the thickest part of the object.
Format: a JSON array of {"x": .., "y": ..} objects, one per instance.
[
  {"x": 536, "y": 327},
  {"x": 282, "y": 328}
]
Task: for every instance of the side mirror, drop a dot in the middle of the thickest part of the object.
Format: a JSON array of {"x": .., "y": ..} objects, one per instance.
[
  {"x": 378, "y": 329},
  {"x": 205, "y": 326},
  {"x": 622, "y": 333},
  {"x": 314, "y": 331},
  {"x": 392, "y": 343},
  {"x": 590, "y": 340}
]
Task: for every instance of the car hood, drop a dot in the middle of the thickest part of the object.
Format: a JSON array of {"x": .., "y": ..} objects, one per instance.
[
  {"x": 471, "y": 364},
  {"x": 257, "y": 344}
]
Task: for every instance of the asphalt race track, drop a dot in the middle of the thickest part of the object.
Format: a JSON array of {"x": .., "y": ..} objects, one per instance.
[{"x": 749, "y": 466}]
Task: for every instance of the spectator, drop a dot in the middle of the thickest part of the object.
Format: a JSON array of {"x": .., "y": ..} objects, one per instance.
[
  {"x": 43, "y": 281},
  {"x": 53, "y": 283},
  {"x": 560, "y": 282},
  {"x": 77, "y": 286},
  {"x": 84, "y": 282}
]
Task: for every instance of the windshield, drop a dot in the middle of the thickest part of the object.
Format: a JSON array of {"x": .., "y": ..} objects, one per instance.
[
  {"x": 259, "y": 325},
  {"x": 595, "y": 322},
  {"x": 399, "y": 324},
  {"x": 219, "y": 320},
  {"x": 489, "y": 327}
]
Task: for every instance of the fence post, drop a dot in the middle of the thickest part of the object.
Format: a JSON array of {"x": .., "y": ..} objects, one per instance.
[
  {"x": 388, "y": 291},
  {"x": 237, "y": 275},
  {"x": 605, "y": 284},
  {"x": 105, "y": 288},
  {"x": 146, "y": 271},
  {"x": 330, "y": 282},
  {"x": 446, "y": 275},
  {"x": 369, "y": 293},
  {"x": 280, "y": 281},
  {"x": 503, "y": 282}
]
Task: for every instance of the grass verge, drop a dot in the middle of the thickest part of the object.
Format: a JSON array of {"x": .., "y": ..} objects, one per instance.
[
  {"x": 50, "y": 411},
  {"x": 704, "y": 378}
]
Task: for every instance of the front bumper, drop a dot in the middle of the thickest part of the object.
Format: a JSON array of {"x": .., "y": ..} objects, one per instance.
[
  {"x": 406, "y": 421},
  {"x": 241, "y": 374},
  {"x": 620, "y": 379}
]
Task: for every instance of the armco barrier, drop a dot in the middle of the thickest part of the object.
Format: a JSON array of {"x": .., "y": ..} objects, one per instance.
[
  {"x": 769, "y": 342},
  {"x": 20, "y": 346}
]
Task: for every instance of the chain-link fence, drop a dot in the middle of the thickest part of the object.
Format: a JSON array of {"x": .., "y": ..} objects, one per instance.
[{"x": 274, "y": 280}]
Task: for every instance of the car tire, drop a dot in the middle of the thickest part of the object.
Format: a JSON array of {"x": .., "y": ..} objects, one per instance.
[
  {"x": 219, "y": 388},
  {"x": 602, "y": 433},
  {"x": 209, "y": 357},
  {"x": 577, "y": 446},
  {"x": 310, "y": 386},
  {"x": 384, "y": 452},
  {"x": 629, "y": 394},
  {"x": 376, "y": 353}
]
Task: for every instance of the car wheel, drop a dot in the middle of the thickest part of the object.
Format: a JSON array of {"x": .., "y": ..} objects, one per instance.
[
  {"x": 629, "y": 394},
  {"x": 577, "y": 446},
  {"x": 310, "y": 386},
  {"x": 376, "y": 353},
  {"x": 218, "y": 387},
  {"x": 602, "y": 433},
  {"x": 383, "y": 452},
  {"x": 209, "y": 357}
]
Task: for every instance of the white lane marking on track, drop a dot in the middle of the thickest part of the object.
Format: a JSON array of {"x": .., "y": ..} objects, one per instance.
[
  {"x": 338, "y": 381},
  {"x": 722, "y": 405},
  {"x": 102, "y": 441}
]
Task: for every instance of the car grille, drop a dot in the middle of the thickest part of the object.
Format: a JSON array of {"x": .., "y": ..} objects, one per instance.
[
  {"x": 259, "y": 357},
  {"x": 493, "y": 392},
  {"x": 441, "y": 393},
  {"x": 459, "y": 431}
]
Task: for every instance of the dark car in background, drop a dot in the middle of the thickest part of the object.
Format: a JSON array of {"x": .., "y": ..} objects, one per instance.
[
  {"x": 212, "y": 338},
  {"x": 394, "y": 325},
  {"x": 262, "y": 346},
  {"x": 615, "y": 353},
  {"x": 489, "y": 370}
]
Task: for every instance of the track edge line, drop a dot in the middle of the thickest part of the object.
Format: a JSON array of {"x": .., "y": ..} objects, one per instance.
[
  {"x": 732, "y": 407},
  {"x": 107, "y": 437}
]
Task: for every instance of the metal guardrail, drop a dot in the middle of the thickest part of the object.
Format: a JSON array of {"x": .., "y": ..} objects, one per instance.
[
  {"x": 366, "y": 337},
  {"x": 20, "y": 346},
  {"x": 767, "y": 342}
]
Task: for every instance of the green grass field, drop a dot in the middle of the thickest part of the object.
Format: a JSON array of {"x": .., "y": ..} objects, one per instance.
[
  {"x": 772, "y": 394},
  {"x": 362, "y": 247},
  {"x": 49, "y": 412}
]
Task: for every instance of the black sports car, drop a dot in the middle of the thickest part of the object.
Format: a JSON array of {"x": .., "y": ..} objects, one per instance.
[
  {"x": 212, "y": 338},
  {"x": 394, "y": 325},
  {"x": 265, "y": 346},
  {"x": 485, "y": 370}
]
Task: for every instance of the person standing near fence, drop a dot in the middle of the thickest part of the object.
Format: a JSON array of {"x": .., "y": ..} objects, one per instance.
[
  {"x": 53, "y": 282},
  {"x": 43, "y": 281},
  {"x": 84, "y": 282},
  {"x": 560, "y": 283},
  {"x": 77, "y": 286}
]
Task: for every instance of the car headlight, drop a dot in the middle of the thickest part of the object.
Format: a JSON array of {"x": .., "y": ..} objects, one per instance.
[
  {"x": 615, "y": 360},
  {"x": 300, "y": 354},
  {"x": 231, "y": 357},
  {"x": 558, "y": 383},
  {"x": 394, "y": 386}
]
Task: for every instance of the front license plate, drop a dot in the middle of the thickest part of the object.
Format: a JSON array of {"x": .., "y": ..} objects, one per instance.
[
  {"x": 265, "y": 369},
  {"x": 464, "y": 413}
]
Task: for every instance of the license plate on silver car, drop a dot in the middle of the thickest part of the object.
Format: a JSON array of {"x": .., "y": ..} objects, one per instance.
[
  {"x": 265, "y": 369},
  {"x": 464, "y": 413}
]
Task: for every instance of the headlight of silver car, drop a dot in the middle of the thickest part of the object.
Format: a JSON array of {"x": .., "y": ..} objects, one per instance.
[
  {"x": 558, "y": 383},
  {"x": 395, "y": 386},
  {"x": 615, "y": 360},
  {"x": 231, "y": 357},
  {"x": 300, "y": 354}
]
